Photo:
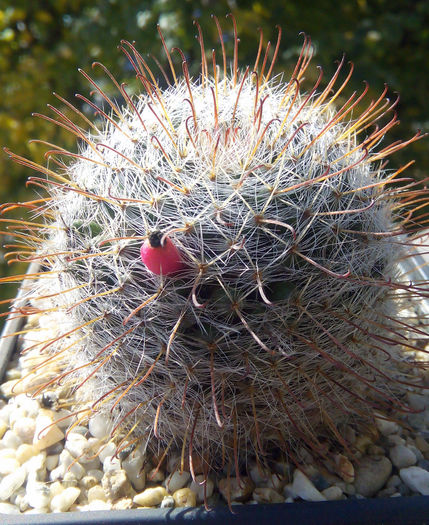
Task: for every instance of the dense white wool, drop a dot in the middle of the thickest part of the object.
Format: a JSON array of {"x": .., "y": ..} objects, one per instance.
[{"x": 268, "y": 335}]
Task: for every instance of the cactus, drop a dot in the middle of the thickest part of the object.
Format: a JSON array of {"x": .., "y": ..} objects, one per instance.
[{"x": 222, "y": 259}]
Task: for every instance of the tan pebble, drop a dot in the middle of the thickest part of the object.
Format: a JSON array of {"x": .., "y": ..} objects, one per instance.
[
  {"x": 185, "y": 498},
  {"x": 155, "y": 475},
  {"x": 116, "y": 485},
  {"x": 7, "y": 386},
  {"x": 267, "y": 495},
  {"x": 25, "y": 452},
  {"x": 12, "y": 373},
  {"x": 375, "y": 450},
  {"x": 362, "y": 443},
  {"x": 422, "y": 444},
  {"x": 33, "y": 380},
  {"x": 123, "y": 504},
  {"x": 56, "y": 488},
  {"x": 234, "y": 489},
  {"x": 70, "y": 480},
  {"x": 333, "y": 493},
  {"x": 8, "y": 465},
  {"x": 3, "y": 428},
  {"x": 47, "y": 433},
  {"x": 345, "y": 468},
  {"x": 96, "y": 493},
  {"x": 88, "y": 482},
  {"x": 150, "y": 497},
  {"x": 350, "y": 435}
]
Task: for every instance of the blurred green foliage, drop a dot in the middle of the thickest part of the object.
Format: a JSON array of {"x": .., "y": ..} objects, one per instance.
[{"x": 42, "y": 43}]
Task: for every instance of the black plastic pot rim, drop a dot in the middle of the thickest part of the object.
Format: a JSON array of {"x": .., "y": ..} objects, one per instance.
[{"x": 395, "y": 511}]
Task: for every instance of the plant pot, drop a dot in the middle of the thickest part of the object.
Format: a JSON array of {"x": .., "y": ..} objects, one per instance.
[{"x": 402, "y": 510}]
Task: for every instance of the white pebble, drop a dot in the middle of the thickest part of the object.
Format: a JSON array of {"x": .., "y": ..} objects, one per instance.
[
  {"x": 80, "y": 429},
  {"x": 52, "y": 462},
  {"x": 77, "y": 470},
  {"x": 108, "y": 450},
  {"x": 304, "y": 488},
  {"x": 98, "y": 474},
  {"x": 386, "y": 427},
  {"x": 24, "y": 428},
  {"x": 96, "y": 493},
  {"x": 91, "y": 460},
  {"x": 416, "y": 478},
  {"x": 56, "y": 488},
  {"x": 36, "y": 463},
  {"x": 99, "y": 504},
  {"x": 197, "y": 486},
  {"x": 10, "y": 483},
  {"x": 16, "y": 415},
  {"x": 19, "y": 499},
  {"x": 402, "y": 456},
  {"x": 62, "y": 419},
  {"x": 333, "y": 493},
  {"x": 77, "y": 445},
  {"x": 177, "y": 480},
  {"x": 57, "y": 473},
  {"x": 167, "y": 502},
  {"x": 65, "y": 499},
  {"x": 11, "y": 440},
  {"x": 100, "y": 426},
  {"x": 394, "y": 439},
  {"x": 7, "y": 453},
  {"x": 111, "y": 463},
  {"x": 38, "y": 495},
  {"x": 65, "y": 458},
  {"x": 31, "y": 406},
  {"x": 133, "y": 467},
  {"x": 394, "y": 481},
  {"x": 8, "y": 465},
  {"x": 7, "y": 508},
  {"x": 259, "y": 476},
  {"x": 5, "y": 413}
]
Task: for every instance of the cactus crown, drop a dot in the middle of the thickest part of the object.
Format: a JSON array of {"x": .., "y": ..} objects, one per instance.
[{"x": 284, "y": 321}]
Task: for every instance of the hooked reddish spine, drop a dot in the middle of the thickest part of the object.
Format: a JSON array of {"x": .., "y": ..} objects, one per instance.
[{"x": 161, "y": 257}]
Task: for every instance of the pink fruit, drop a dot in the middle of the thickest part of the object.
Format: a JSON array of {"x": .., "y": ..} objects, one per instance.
[{"x": 161, "y": 258}]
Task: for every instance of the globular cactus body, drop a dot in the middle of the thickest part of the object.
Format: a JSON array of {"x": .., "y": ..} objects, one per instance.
[{"x": 223, "y": 254}]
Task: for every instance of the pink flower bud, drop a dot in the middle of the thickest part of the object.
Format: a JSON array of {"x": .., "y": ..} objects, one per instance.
[{"x": 160, "y": 258}]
